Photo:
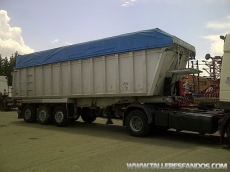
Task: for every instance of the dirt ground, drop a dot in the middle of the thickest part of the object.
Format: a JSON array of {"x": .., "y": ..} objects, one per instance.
[{"x": 98, "y": 147}]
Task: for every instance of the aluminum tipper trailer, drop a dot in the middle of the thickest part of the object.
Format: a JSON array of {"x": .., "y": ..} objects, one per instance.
[{"x": 141, "y": 68}]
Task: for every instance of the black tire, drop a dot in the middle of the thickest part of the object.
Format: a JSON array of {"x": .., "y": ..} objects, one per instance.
[
  {"x": 104, "y": 113},
  {"x": 29, "y": 113},
  {"x": 88, "y": 116},
  {"x": 60, "y": 117},
  {"x": 117, "y": 113},
  {"x": 137, "y": 123},
  {"x": 44, "y": 115}
]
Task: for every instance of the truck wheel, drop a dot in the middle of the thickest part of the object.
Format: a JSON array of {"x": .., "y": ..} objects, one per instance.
[
  {"x": 29, "y": 113},
  {"x": 60, "y": 117},
  {"x": 44, "y": 115},
  {"x": 137, "y": 123},
  {"x": 88, "y": 116}
]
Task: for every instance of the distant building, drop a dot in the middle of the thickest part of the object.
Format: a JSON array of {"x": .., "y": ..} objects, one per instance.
[{"x": 196, "y": 84}]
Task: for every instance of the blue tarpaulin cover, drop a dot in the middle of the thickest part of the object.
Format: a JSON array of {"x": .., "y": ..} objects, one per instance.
[{"x": 141, "y": 40}]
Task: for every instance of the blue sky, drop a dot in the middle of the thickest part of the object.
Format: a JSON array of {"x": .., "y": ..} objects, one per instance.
[{"x": 36, "y": 25}]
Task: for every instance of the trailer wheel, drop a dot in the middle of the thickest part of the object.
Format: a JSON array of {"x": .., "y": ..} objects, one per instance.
[
  {"x": 137, "y": 123},
  {"x": 44, "y": 115},
  {"x": 60, "y": 117},
  {"x": 118, "y": 113},
  {"x": 29, "y": 113},
  {"x": 88, "y": 116},
  {"x": 104, "y": 113}
]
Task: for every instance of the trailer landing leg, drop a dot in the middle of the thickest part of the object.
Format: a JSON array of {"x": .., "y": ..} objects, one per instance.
[{"x": 109, "y": 111}]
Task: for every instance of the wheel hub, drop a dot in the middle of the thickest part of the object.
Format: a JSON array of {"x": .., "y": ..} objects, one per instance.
[
  {"x": 136, "y": 123},
  {"x": 27, "y": 114},
  {"x": 42, "y": 115},
  {"x": 59, "y": 117}
]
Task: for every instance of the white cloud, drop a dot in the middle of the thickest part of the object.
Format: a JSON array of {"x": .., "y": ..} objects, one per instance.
[
  {"x": 216, "y": 48},
  {"x": 225, "y": 24},
  {"x": 218, "y": 25},
  {"x": 128, "y": 3},
  {"x": 221, "y": 28},
  {"x": 10, "y": 38},
  {"x": 55, "y": 41}
]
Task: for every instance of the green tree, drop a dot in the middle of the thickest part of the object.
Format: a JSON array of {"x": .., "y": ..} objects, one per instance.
[
  {"x": 7, "y": 66},
  {"x": 1, "y": 65}
]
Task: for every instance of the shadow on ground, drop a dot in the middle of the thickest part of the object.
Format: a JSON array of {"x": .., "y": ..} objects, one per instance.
[{"x": 181, "y": 140}]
